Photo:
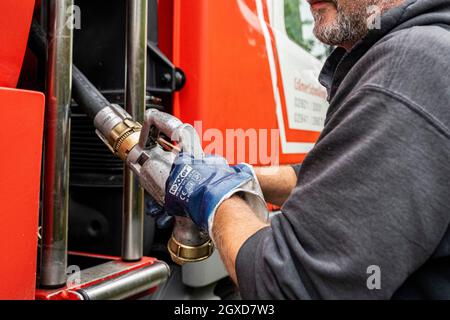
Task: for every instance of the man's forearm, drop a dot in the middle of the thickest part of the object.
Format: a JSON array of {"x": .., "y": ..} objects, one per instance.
[
  {"x": 276, "y": 183},
  {"x": 234, "y": 224}
]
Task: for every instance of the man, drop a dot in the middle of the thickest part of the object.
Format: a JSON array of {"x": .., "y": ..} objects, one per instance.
[{"x": 367, "y": 213}]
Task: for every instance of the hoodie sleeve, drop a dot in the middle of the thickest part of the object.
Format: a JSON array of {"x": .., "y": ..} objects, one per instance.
[
  {"x": 370, "y": 209},
  {"x": 297, "y": 168}
]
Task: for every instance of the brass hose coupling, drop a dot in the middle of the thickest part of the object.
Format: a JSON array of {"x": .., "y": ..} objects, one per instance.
[
  {"x": 117, "y": 130},
  {"x": 189, "y": 244},
  {"x": 124, "y": 137},
  {"x": 182, "y": 254}
]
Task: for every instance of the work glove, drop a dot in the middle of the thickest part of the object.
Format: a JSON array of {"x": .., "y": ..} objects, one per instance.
[
  {"x": 197, "y": 187},
  {"x": 252, "y": 193},
  {"x": 156, "y": 211},
  {"x": 188, "y": 183}
]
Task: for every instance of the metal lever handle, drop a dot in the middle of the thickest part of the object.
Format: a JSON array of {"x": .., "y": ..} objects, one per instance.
[{"x": 184, "y": 134}]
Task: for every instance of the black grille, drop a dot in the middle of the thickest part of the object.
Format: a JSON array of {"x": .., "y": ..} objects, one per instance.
[{"x": 90, "y": 160}]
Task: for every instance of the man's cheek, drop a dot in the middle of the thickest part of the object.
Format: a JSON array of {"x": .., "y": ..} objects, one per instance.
[
  {"x": 327, "y": 15},
  {"x": 349, "y": 6}
]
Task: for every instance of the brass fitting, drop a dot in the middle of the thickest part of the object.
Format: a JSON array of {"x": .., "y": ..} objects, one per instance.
[
  {"x": 182, "y": 254},
  {"x": 124, "y": 137}
]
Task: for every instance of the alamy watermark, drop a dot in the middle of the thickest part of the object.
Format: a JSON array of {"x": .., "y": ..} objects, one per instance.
[
  {"x": 374, "y": 17},
  {"x": 73, "y": 276},
  {"x": 257, "y": 147},
  {"x": 254, "y": 146},
  {"x": 73, "y": 21},
  {"x": 374, "y": 280}
]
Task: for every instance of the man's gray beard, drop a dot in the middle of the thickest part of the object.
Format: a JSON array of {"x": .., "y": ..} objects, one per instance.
[{"x": 345, "y": 29}]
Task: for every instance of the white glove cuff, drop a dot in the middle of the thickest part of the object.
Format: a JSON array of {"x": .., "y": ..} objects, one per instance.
[{"x": 252, "y": 195}]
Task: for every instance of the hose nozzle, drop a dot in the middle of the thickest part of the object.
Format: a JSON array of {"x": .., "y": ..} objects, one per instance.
[{"x": 188, "y": 243}]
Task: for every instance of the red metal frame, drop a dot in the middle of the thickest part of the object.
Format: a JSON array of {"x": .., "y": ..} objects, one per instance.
[
  {"x": 69, "y": 292},
  {"x": 20, "y": 165},
  {"x": 15, "y": 21}
]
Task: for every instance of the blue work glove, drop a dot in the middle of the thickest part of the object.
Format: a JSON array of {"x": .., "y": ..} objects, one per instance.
[
  {"x": 243, "y": 167},
  {"x": 156, "y": 211},
  {"x": 196, "y": 187}
]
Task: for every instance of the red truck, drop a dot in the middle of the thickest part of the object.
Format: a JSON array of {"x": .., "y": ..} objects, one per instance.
[{"x": 72, "y": 221}]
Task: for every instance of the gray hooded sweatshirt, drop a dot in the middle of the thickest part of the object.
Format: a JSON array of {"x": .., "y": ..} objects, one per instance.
[{"x": 369, "y": 217}]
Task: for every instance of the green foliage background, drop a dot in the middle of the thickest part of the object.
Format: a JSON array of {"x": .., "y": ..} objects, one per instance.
[{"x": 294, "y": 24}]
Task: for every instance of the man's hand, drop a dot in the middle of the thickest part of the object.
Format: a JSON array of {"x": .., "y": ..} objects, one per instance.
[
  {"x": 276, "y": 183},
  {"x": 196, "y": 188}
]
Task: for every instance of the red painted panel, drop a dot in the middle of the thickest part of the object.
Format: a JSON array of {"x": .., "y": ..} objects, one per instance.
[
  {"x": 20, "y": 165},
  {"x": 221, "y": 47},
  {"x": 15, "y": 21},
  {"x": 165, "y": 26}
]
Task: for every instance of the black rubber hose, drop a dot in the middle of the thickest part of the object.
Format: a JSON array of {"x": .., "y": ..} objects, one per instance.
[
  {"x": 86, "y": 95},
  {"x": 37, "y": 40},
  {"x": 84, "y": 92}
]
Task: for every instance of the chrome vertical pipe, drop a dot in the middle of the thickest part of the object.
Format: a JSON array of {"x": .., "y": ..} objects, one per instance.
[
  {"x": 135, "y": 93},
  {"x": 57, "y": 145}
]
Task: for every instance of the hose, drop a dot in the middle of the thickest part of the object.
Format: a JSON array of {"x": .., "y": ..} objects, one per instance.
[{"x": 86, "y": 94}]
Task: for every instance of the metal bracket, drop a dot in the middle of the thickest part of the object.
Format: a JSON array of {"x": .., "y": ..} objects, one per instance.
[{"x": 169, "y": 78}]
